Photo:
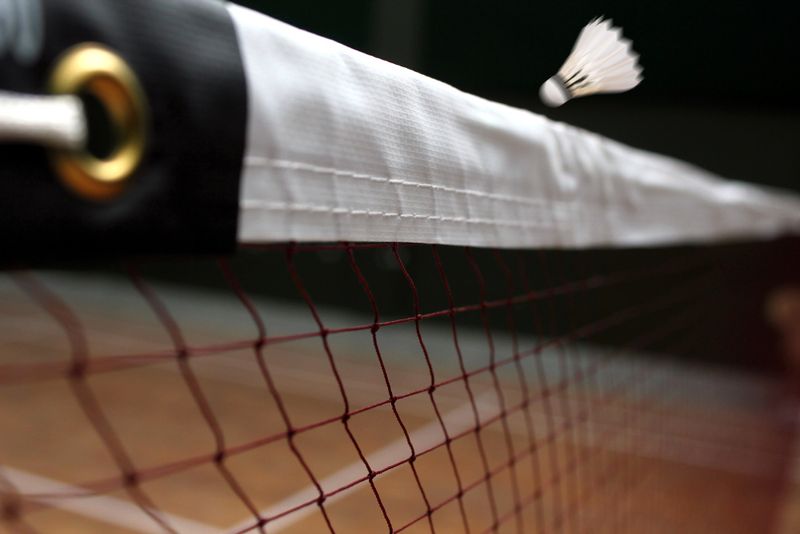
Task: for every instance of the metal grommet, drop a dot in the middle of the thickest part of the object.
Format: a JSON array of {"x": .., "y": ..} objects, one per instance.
[{"x": 93, "y": 68}]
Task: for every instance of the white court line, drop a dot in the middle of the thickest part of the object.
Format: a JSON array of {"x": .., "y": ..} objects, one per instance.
[
  {"x": 718, "y": 448},
  {"x": 456, "y": 421},
  {"x": 109, "y": 510},
  {"x": 460, "y": 420}
]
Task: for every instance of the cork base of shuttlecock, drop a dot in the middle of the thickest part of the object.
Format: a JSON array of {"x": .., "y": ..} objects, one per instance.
[{"x": 553, "y": 93}]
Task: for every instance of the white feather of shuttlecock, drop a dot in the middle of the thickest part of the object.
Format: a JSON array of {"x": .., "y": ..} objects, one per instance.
[{"x": 602, "y": 61}]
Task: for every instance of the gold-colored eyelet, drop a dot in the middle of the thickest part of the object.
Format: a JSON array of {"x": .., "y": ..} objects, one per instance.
[{"x": 92, "y": 68}]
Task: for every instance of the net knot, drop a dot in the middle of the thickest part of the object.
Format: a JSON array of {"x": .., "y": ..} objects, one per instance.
[
  {"x": 10, "y": 510},
  {"x": 78, "y": 370},
  {"x": 130, "y": 479}
]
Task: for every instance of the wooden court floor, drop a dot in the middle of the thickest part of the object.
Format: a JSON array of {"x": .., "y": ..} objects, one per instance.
[{"x": 706, "y": 461}]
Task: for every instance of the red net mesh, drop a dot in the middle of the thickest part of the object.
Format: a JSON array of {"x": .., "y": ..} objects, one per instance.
[{"x": 385, "y": 387}]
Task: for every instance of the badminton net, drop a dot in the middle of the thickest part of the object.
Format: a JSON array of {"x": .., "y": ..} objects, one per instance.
[
  {"x": 390, "y": 387},
  {"x": 420, "y": 330}
]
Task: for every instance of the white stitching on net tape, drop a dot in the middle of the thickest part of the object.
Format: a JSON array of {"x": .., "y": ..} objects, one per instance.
[{"x": 344, "y": 146}]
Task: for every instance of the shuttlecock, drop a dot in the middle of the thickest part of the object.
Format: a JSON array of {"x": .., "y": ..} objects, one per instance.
[{"x": 601, "y": 61}]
